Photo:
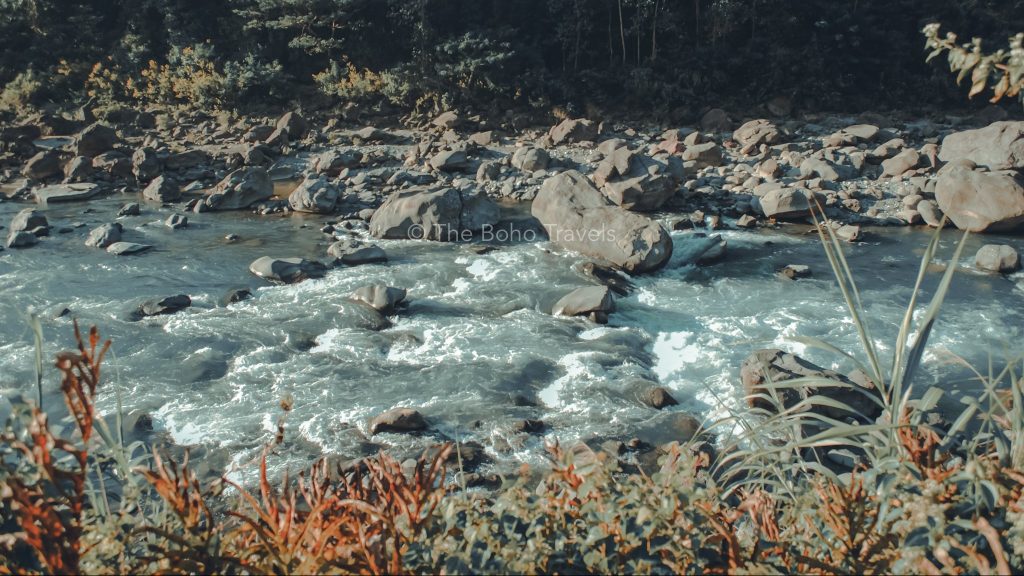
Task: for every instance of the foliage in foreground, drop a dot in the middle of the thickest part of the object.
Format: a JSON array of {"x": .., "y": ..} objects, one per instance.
[
  {"x": 922, "y": 496},
  {"x": 1002, "y": 70}
]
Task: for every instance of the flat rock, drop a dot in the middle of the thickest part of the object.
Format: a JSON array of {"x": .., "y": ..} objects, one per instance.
[
  {"x": 168, "y": 305},
  {"x": 594, "y": 302},
  {"x": 65, "y": 192},
  {"x": 286, "y": 270},
  {"x": 127, "y": 248}
]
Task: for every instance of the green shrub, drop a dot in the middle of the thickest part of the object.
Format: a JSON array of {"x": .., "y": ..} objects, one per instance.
[{"x": 22, "y": 93}]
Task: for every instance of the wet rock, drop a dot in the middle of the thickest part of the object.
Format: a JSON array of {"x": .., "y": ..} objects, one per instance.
[
  {"x": 638, "y": 182},
  {"x": 577, "y": 216},
  {"x": 527, "y": 427},
  {"x": 529, "y": 159},
  {"x": 786, "y": 204},
  {"x": 981, "y": 201},
  {"x": 176, "y": 221},
  {"x": 95, "y": 140},
  {"x": 449, "y": 161},
  {"x": 286, "y": 270},
  {"x": 382, "y": 298},
  {"x": 848, "y": 232},
  {"x": 21, "y": 239},
  {"x": 42, "y": 165},
  {"x": 658, "y": 397},
  {"x": 236, "y": 295},
  {"x": 65, "y": 192},
  {"x": 573, "y": 130},
  {"x": 999, "y": 146},
  {"x": 609, "y": 277},
  {"x": 594, "y": 302},
  {"x": 746, "y": 221},
  {"x": 127, "y": 248},
  {"x": 104, "y": 235},
  {"x": 129, "y": 209},
  {"x": 360, "y": 315},
  {"x": 314, "y": 195},
  {"x": 777, "y": 366},
  {"x": 424, "y": 214},
  {"x": 241, "y": 189},
  {"x": 354, "y": 253},
  {"x": 146, "y": 164},
  {"x": 294, "y": 125},
  {"x": 400, "y": 421},
  {"x": 27, "y": 220},
  {"x": 795, "y": 271},
  {"x": 997, "y": 258},
  {"x": 168, "y": 305},
  {"x": 162, "y": 189}
]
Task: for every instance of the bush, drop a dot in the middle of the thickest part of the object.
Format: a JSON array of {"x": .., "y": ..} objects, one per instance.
[{"x": 22, "y": 93}]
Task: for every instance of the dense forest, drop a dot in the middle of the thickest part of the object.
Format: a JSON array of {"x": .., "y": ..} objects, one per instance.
[{"x": 434, "y": 54}]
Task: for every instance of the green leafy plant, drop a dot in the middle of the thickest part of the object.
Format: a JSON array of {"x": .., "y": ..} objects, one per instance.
[{"x": 1002, "y": 71}]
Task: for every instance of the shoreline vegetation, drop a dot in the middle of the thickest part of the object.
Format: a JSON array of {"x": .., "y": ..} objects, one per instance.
[
  {"x": 753, "y": 492},
  {"x": 475, "y": 106}
]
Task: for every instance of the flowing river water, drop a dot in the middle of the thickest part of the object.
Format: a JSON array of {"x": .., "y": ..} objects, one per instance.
[{"x": 475, "y": 350}]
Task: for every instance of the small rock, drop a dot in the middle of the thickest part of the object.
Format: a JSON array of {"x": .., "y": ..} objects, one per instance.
[
  {"x": 176, "y": 221},
  {"x": 658, "y": 398},
  {"x": 398, "y": 420},
  {"x": 104, "y": 235},
  {"x": 997, "y": 258},
  {"x": 794, "y": 271},
  {"x": 380, "y": 297}
]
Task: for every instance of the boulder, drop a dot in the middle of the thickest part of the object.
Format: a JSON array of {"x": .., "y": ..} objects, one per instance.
[
  {"x": 315, "y": 195},
  {"x": 146, "y": 164},
  {"x": 398, "y": 420},
  {"x": 997, "y": 258},
  {"x": 21, "y": 239},
  {"x": 65, "y": 192},
  {"x": 901, "y": 163},
  {"x": 354, "y": 253},
  {"x": 176, "y": 221},
  {"x": 981, "y": 201},
  {"x": 424, "y": 214},
  {"x": 577, "y": 216},
  {"x": 168, "y": 305},
  {"x": 294, "y": 124},
  {"x": 573, "y": 130},
  {"x": 127, "y": 248},
  {"x": 162, "y": 189},
  {"x": 286, "y": 270},
  {"x": 530, "y": 159},
  {"x": 999, "y": 146},
  {"x": 42, "y": 165},
  {"x": 786, "y": 203},
  {"x": 380, "y": 297},
  {"x": 129, "y": 209},
  {"x": 638, "y": 182},
  {"x": 241, "y": 189},
  {"x": 658, "y": 397},
  {"x": 777, "y": 367},
  {"x": 95, "y": 140},
  {"x": 753, "y": 134},
  {"x": 104, "y": 235},
  {"x": 449, "y": 161},
  {"x": 594, "y": 302},
  {"x": 332, "y": 162},
  {"x": 28, "y": 220}
]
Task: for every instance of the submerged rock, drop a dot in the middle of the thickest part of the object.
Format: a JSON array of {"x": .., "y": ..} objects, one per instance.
[
  {"x": 168, "y": 305},
  {"x": 398, "y": 420},
  {"x": 286, "y": 270},
  {"x": 127, "y": 248},
  {"x": 658, "y": 397},
  {"x": 577, "y": 216},
  {"x": 382, "y": 298}
]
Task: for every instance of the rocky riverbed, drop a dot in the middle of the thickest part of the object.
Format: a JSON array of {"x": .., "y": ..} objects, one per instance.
[{"x": 480, "y": 281}]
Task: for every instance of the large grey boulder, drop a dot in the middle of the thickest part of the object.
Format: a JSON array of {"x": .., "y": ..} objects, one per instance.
[
  {"x": 578, "y": 217},
  {"x": 981, "y": 201},
  {"x": 286, "y": 270},
  {"x": 638, "y": 182},
  {"x": 997, "y": 258},
  {"x": 162, "y": 189},
  {"x": 777, "y": 367},
  {"x": 104, "y": 235},
  {"x": 424, "y": 214},
  {"x": 380, "y": 297},
  {"x": 786, "y": 203},
  {"x": 998, "y": 146},
  {"x": 241, "y": 189},
  {"x": 573, "y": 130},
  {"x": 42, "y": 165},
  {"x": 594, "y": 302},
  {"x": 315, "y": 195},
  {"x": 95, "y": 140},
  {"x": 28, "y": 220}
]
